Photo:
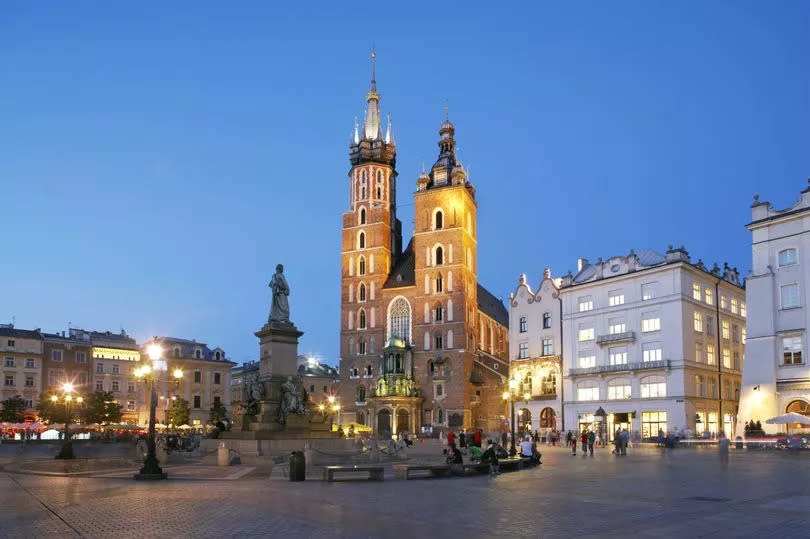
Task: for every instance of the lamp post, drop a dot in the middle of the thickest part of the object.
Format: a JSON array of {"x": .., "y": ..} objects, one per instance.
[
  {"x": 151, "y": 469},
  {"x": 66, "y": 451},
  {"x": 510, "y": 396}
]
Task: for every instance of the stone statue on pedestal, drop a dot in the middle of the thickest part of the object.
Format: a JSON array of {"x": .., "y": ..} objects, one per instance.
[
  {"x": 280, "y": 308},
  {"x": 291, "y": 401}
]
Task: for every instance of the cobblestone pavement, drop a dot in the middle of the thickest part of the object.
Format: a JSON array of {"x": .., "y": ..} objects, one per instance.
[{"x": 651, "y": 492}]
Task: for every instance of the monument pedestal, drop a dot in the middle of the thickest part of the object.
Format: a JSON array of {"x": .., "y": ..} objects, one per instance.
[{"x": 278, "y": 361}]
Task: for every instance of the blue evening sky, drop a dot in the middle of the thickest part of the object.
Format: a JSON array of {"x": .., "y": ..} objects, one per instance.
[{"x": 157, "y": 159}]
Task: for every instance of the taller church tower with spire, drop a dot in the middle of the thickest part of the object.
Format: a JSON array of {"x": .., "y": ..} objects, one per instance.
[{"x": 422, "y": 345}]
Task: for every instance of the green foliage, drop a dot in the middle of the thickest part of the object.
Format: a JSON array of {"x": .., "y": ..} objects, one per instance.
[
  {"x": 52, "y": 412},
  {"x": 13, "y": 409},
  {"x": 218, "y": 412},
  {"x": 101, "y": 407},
  {"x": 179, "y": 413}
]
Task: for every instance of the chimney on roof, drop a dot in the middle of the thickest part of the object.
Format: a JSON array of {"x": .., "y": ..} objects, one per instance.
[{"x": 581, "y": 263}]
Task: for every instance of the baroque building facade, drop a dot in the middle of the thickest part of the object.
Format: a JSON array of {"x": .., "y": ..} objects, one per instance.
[
  {"x": 21, "y": 354},
  {"x": 535, "y": 348},
  {"x": 652, "y": 342},
  {"x": 776, "y": 377},
  {"x": 422, "y": 344}
]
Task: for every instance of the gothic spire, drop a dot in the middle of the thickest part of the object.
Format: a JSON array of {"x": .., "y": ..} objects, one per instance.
[{"x": 371, "y": 128}]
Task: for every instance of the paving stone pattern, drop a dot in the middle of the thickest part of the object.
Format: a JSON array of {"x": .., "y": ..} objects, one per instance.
[{"x": 651, "y": 493}]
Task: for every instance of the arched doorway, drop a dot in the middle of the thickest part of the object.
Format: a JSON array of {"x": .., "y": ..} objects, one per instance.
[
  {"x": 548, "y": 419},
  {"x": 403, "y": 420},
  {"x": 524, "y": 421},
  {"x": 384, "y": 422},
  {"x": 799, "y": 407}
]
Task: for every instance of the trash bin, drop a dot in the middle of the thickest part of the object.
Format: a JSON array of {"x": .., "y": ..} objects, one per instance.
[
  {"x": 738, "y": 442},
  {"x": 298, "y": 466},
  {"x": 222, "y": 455}
]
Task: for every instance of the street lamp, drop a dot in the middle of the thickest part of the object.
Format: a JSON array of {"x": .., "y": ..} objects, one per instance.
[
  {"x": 151, "y": 469},
  {"x": 510, "y": 396},
  {"x": 66, "y": 452}
]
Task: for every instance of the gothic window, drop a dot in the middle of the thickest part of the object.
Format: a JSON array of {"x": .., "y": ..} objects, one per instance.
[
  {"x": 361, "y": 347},
  {"x": 368, "y": 370},
  {"x": 379, "y": 185},
  {"x": 439, "y": 283},
  {"x": 363, "y": 183},
  {"x": 362, "y": 216},
  {"x": 362, "y": 292},
  {"x": 361, "y": 240},
  {"x": 431, "y": 367},
  {"x": 441, "y": 416},
  {"x": 361, "y": 319},
  {"x": 361, "y": 270},
  {"x": 361, "y": 393},
  {"x": 399, "y": 322},
  {"x": 438, "y": 342},
  {"x": 438, "y": 311},
  {"x": 398, "y": 363},
  {"x": 439, "y": 256},
  {"x": 438, "y": 222}
]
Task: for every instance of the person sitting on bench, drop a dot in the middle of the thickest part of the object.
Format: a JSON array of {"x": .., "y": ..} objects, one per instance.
[
  {"x": 490, "y": 457},
  {"x": 475, "y": 453},
  {"x": 454, "y": 455}
]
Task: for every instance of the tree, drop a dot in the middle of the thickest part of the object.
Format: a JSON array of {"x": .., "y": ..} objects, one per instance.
[
  {"x": 13, "y": 409},
  {"x": 52, "y": 412},
  {"x": 218, "y": 412},
  {"x": 101, "y": 407},
  {"x": 179, "y": 413}
]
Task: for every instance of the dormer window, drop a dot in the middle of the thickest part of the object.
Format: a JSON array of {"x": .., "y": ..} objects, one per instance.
[{"x": 197, "y": 354}]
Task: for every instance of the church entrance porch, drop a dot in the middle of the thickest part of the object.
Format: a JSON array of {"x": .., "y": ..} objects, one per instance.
[{"x": 394, "y": 415}]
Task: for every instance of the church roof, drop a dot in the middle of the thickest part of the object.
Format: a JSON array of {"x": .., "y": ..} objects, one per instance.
[
  {"x": 492, "y": 306},
  {"x": 403, "y": 272}
]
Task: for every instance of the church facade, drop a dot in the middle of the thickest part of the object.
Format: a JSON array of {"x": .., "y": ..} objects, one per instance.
[{"x": 423, "y": 346}]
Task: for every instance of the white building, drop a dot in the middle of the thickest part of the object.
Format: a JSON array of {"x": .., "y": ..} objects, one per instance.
[
  {"x": 535, "y": 343},
  {"x": 776, "y": 378},
  {"x": 642, "y": 343}
]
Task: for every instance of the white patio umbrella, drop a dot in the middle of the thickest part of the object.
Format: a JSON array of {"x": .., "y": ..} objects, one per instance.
[{"x": 790, "y": 417}]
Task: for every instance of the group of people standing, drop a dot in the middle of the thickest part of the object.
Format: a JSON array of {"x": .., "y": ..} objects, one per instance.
[{"x": 588, "y": 439}]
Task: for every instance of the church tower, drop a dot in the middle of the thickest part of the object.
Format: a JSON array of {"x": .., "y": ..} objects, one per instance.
[
  {"x": 371, "y": 243},
  {"x": 445, "y": 298}
]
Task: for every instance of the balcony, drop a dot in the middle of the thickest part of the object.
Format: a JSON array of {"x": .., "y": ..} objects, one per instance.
[
  {"x": 613, "y": 338},
  {"x": 627, "y": 367}
]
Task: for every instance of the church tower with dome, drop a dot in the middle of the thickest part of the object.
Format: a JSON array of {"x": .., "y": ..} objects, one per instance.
[{"x": 423, "y": 346}]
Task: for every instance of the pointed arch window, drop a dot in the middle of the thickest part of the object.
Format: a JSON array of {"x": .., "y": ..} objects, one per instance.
[
  {"x": 438, "y": 221},
  {"x": 363, "y": 183},
  {"x": 361, "y": 347},
  {"x": 399, "y": 322},
  {"x": 438, "y": 312},
  {"x": 379, "y": 184},
  {"x": 361, "y": 240},
  {"x": 439, "y": 283},
  {"x": 361, "y": 317},
  {"x": 361, "y": 266},
  {"x": 362, "y": 216},
  {"x": 439, "y": 255},
  {"x": 362, "y": 292},
  {"x": 361, "y": 393}
]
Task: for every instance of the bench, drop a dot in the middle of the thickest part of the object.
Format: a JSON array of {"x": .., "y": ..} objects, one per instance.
[
  {"x": 425, "y": 470},
  {"x": 375, "y": 473},
  {"x": 512, "y": 463},
  {"x": 471, "y": 468}
]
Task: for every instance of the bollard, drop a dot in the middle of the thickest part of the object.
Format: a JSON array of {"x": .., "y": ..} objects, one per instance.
[
  {"x": 298, "y": 470},
  {"x": 222, "y": 455}
]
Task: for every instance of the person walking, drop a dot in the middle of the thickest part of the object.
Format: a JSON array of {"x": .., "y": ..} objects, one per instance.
[
  {"x": 573, "y": 443},
  {"x": 504, "y": 439},
  {"x": 584, "y": 439},
  {"x": 477, "y": 438},
  {"x": 568, "y": 439},
  {"x": 591, "y": 441},
  {"x": 462, "y": 439},
  {"x": 451, "y": 438},
  {"x": 617, "y": 442},
  {"x": 625, "y": 438}
]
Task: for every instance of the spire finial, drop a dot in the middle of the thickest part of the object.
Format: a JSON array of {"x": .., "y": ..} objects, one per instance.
[
  {"x": 446, "y": 111},
  {"x": 373, "y": 68}
]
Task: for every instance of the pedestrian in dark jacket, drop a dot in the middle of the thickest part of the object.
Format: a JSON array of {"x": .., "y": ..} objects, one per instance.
[
  {"x": 490, "y": 457},
  {"x": 584, "y": 439}
]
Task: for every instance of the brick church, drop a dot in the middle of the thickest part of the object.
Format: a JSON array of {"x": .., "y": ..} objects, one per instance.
[{"x": 422, "y": 344}]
